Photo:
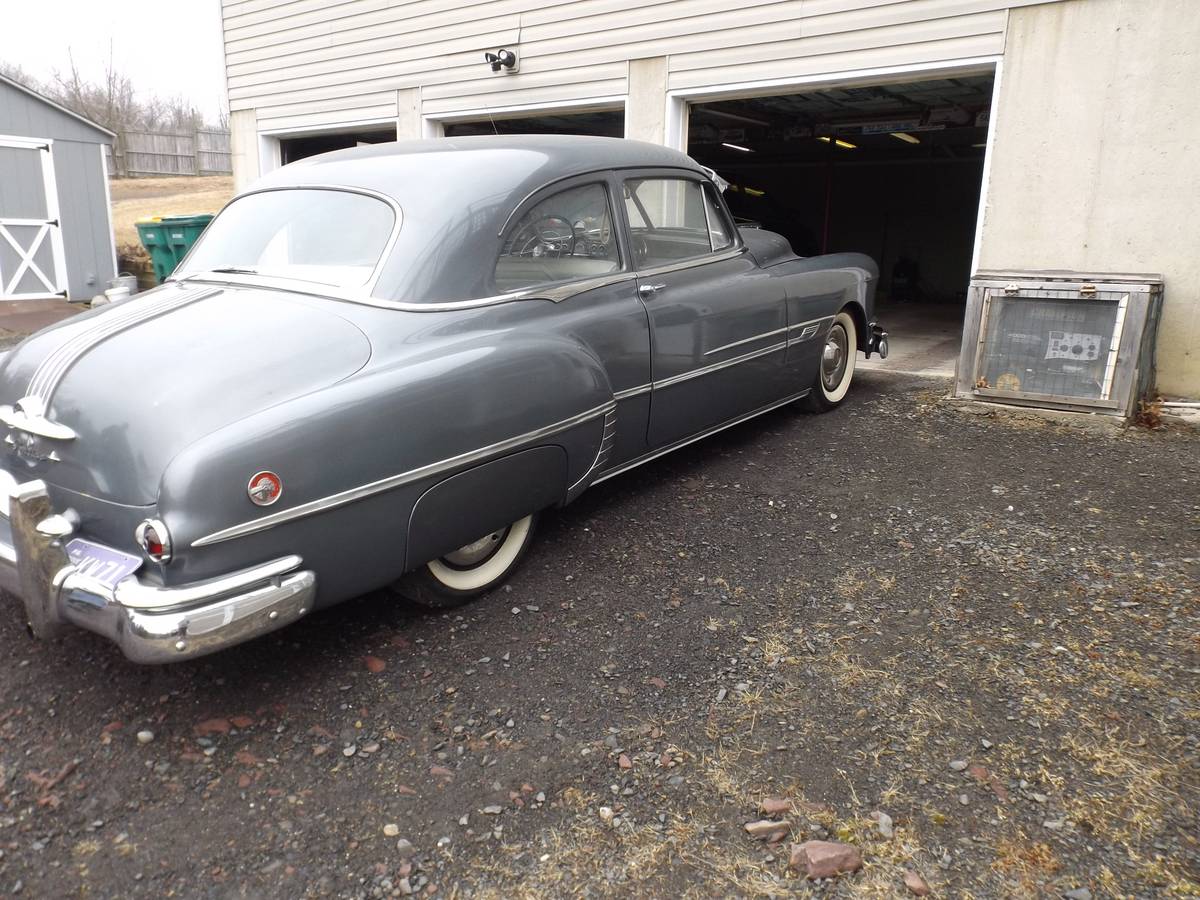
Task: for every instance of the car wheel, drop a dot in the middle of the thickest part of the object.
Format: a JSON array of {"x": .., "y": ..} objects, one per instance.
[
  {"x": 471, "y": 570},
  {"x": 837, "y": 365}
]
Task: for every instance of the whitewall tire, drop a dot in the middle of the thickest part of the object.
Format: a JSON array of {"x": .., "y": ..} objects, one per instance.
[
  {"x": 471, "y": 570},
  {"x": 835, "y": 370}
]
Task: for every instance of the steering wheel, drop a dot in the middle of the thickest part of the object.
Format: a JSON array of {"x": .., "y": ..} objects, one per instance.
[{"x": 548, "y": 236}]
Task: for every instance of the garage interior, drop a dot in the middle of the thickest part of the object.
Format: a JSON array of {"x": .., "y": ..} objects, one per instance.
[
  {"x": 892, "y": 170},
  {"x": 294, "y": 148}
]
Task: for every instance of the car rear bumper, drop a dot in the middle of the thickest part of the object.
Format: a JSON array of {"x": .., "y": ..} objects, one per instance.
[{"x": 150, "y": 623}]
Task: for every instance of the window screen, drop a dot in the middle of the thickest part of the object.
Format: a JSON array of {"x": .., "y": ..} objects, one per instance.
[
  {"x": 1056, "y": 346},
  {"x": 567, "y": 236}
]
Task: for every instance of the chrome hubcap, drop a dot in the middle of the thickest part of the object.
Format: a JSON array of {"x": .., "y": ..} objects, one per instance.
[
  {"x": 834, "y": 358},
  {"x": 476, "y": 552}
]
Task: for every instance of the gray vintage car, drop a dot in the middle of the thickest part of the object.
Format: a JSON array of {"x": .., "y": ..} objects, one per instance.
[{"x": 378, "y": 365}]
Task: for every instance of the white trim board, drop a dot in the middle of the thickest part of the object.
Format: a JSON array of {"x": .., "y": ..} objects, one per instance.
[
  {"x": 824, "y": 81},
  {"x": 608, "y": 103}
]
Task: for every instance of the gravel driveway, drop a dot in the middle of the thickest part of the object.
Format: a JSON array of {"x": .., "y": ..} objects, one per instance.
[{"x": 983, "y": 627}]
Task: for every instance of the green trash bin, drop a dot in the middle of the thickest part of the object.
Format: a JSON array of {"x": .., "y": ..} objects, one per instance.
[{"x": 168, "y": 239}]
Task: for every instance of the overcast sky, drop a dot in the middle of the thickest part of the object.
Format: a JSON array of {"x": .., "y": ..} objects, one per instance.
[{"x": 168, "y": 47}]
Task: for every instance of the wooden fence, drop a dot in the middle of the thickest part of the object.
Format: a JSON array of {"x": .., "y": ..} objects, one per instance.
[{"x": 166, "y": 153}]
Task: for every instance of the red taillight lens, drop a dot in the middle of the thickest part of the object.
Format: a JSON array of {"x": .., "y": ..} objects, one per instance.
[
  {"x": 154, "y": 539},
  {"x": 153, "y": 543}
]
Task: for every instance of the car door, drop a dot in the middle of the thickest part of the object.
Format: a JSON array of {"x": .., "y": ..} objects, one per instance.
[
  {"x": 717, "y": 321},
  {"x": 563, "y": 243}
]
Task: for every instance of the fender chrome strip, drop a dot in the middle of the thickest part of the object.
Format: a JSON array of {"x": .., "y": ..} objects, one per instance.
[
  {"x": 632, "y": 392},
  {"x": 716, "y": 367},
  {"x": 608, "y": 439},
  {"x": 333, "y": 501}
]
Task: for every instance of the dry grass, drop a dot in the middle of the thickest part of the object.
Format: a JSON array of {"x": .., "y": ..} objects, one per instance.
[{"x": 135, "y": 198}]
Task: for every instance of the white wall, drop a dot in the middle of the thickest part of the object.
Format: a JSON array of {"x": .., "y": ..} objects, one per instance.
[
  {"x": 1096, "y": 165},
  {"x": 309, "y": 63}
]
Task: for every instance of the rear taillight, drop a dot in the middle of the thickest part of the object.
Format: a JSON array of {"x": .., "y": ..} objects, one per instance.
[{"x": 154, "y": 539}]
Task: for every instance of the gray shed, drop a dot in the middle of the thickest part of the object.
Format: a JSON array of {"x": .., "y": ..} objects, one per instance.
[{"x": 56, "y": 235}]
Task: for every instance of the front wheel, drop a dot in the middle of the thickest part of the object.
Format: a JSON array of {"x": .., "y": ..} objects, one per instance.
[
  {"x": 471, "y": 570},
  {"x": 837, "y": 365}
]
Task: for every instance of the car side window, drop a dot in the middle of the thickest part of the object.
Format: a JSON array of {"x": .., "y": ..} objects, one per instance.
[
  {"x": 667, "y": 220},
  {"x": 719, "y": 229},
  {"x": 566, "y": 237}
]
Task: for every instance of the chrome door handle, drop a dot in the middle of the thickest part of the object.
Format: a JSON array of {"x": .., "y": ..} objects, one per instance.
[{"x": 647, "y": 289}]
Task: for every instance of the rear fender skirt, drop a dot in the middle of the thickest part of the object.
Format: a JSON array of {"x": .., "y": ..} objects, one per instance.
[{"x": 487, "y": 497}]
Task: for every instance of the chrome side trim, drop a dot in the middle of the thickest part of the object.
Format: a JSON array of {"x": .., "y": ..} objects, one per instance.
[
  {"x": 804, "y": 335},
  {"x": 632, "y": 392},
  {"x": 749, "y": 340},
  {"x": 716, "y": 367},
  {"x": 663, "y": 451},
  {"x": 607, "y": 440},
  {"x": 811, "y": 329},
  {"x": 695, "y": 261},
  {"x": 333, "y": 501}
]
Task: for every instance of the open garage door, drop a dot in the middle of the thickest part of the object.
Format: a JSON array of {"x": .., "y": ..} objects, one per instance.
[
  {"x": 600, "y": 123},
  {"x": 892, "y": 170},
  {"x": 302, "y": 146}
]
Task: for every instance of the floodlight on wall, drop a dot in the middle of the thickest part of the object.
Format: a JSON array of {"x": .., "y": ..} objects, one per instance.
[
  {"x": 501, "y": 60},
  {"x": 905, "y": 136}
]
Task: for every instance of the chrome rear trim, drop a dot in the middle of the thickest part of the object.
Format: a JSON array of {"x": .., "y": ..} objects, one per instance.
[{"x": 333, "y": 501}]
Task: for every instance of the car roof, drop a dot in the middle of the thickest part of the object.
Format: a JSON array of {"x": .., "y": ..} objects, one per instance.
[
  {"x": 456, "y": 194},
  {"x": 555, "y": 156}
]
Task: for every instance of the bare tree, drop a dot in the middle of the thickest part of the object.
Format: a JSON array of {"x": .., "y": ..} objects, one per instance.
[{"x": 112, "y": 101}]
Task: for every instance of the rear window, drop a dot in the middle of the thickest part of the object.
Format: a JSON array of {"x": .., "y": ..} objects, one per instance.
[{"x": 328, "y": 237}]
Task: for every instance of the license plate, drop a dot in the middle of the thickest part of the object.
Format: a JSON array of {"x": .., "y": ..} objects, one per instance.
[{"x": 102, "y": 563}]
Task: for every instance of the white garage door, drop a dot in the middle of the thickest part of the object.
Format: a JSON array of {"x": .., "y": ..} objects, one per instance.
[{"x": 32, "y": 266}]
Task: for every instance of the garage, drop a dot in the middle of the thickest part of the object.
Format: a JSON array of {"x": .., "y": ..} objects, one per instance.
[{"x": 890, "y": 169}]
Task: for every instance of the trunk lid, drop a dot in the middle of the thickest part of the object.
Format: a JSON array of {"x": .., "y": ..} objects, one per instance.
[{"x": 140, "y": 380}]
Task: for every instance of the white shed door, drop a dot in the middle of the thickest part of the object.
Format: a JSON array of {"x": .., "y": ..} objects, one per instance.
[{"x": 32, "y": 266}]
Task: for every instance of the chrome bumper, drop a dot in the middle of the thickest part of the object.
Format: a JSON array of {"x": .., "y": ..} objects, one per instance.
[{"x": 150, "y": 623}]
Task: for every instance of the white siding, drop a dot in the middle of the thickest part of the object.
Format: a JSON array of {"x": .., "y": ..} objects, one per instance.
[{"x": 302, "y": 63}]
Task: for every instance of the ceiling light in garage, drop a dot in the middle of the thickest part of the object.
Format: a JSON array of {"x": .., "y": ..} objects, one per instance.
[
  {"x": 845, "y": 145},
  {"x": 737, "y": 147},
  {"x": 905, "y": 136}
]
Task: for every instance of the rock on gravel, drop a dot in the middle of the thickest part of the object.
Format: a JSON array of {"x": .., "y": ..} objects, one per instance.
[
  {"x": 768, "y": 829},
  {"x": 916, "y": 884},
  {"x": 145, "y": 737},
  {"x": 825, "y": 859},
  {"x": 774, "y": 806},
  {"x": 884, "y": 823}
]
